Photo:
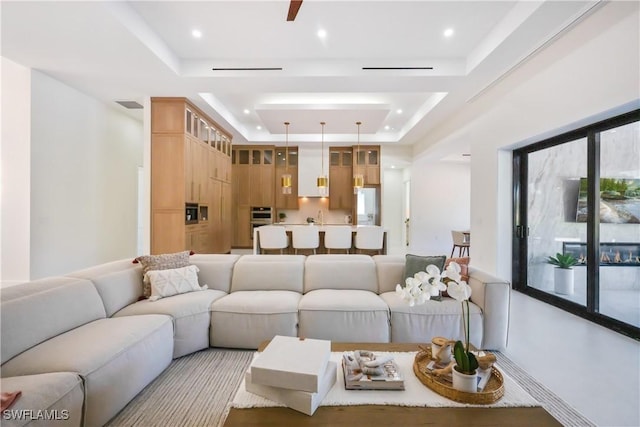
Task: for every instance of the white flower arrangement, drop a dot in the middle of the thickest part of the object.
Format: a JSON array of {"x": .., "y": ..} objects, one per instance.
[{"x": 425, "y": 284}]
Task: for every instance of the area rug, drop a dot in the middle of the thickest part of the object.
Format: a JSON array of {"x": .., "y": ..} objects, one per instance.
[
  {"x": 414, "y": 394},
  {"x": 197, "y": 390}
]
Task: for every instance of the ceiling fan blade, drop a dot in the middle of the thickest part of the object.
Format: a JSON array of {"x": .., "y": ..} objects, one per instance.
[{"x": 294, "y": 7}]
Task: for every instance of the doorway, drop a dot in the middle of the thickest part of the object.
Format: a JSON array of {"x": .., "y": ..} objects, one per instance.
[{"x": 578, "y": 195}]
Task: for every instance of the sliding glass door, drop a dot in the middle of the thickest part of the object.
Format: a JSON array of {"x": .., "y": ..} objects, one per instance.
[{"x": 578, "y": 194}]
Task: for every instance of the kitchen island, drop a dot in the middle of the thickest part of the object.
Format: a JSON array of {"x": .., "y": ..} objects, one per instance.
[{"x": 321, "y": 229}]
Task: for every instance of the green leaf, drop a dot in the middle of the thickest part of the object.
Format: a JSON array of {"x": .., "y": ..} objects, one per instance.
[
  {"x": 562, "y": 261},
  {"x": 473, "y": 362}
]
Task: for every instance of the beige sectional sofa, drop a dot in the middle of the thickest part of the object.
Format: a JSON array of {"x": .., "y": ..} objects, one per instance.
[{"x": 83, "y": 343}]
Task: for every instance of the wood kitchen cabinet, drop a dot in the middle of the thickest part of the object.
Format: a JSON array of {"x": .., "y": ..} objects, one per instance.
[
  {"x": 286, "y": 201},
  {"x": 367, "y": 162},
  {"x": 190, "y": 163},
  {"x": 340, "y": 178},
  {"x": 253, "y": 174}
]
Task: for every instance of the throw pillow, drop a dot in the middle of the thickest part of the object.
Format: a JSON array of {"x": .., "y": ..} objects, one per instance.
[
  {"x": 415, "y": 263},
  {"x": 166, "y": 283},
  {"x": 160, "y": 262},
  {"x": 464, "y": 266},
  {"x": 464, "y": 269}
]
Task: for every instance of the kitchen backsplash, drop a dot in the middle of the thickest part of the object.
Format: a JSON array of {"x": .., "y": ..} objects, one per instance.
[{"x": 310, "y": 207}]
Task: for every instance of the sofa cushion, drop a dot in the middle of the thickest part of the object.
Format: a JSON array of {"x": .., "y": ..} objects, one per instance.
[
  {"x": 422, "y": 322},
  {"x": 340, "y": 272},
  {"x": 417, "y": 263},
  {"x": 268, "y": 273},
  {"x": 344, "y": 315},
  {"x": 36, "y": 311},
  {"x": 160, "y": 262},
  {"x": 463, "y": 262},
  {"x": 175, "y": 281},
  {"x": 60, "y": 393},
  {"x": 190, "y": 314},
  {"x": 116, "y": 357},
  {"x": 119, "y": 283},
  {"x": 390, "y": 271},
  {"x": 216, "y": 270},
  {"x": 244, "y": 319}
]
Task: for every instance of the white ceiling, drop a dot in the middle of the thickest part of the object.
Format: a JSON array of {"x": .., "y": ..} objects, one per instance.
[{"x": 133, "y": 50}]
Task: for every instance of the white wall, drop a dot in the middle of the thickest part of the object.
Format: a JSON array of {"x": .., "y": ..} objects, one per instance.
[
  {"x": 15, "y": 150},
  {"x": 440, "y": 202},
  {"x": 590, "y": 70},
  {"x": 393, "y": 209},
  {"x": 84, "y": 161}
]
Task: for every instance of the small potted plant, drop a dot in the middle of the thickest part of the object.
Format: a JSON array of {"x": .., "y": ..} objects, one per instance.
[
  {"x": 422, "y": 287},
  {"x": 563, "y": 273},
  {"x": 282, "y": 216}
]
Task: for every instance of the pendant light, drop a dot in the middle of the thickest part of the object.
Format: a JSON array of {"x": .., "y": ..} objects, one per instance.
[
  {"x": 358, "y": 178},
  {"x": 322, "y": 181},
  {"x": 285, "y": 179}
]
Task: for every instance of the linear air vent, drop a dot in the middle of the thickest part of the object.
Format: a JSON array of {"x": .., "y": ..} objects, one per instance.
[
  {"x": 397, "y": 68},
  {"x": 131, "y": 105},
  {"x": 248, "y": 69}
]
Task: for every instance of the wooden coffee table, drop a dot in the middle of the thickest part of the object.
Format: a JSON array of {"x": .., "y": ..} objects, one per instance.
[{"x": 385, "y": 415}]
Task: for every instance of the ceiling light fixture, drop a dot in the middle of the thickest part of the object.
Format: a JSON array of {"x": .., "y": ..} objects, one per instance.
[
  {"x": 246, "y": 111},
  {"x": 322, "y": 33},
  {"x": 358, "y": 178},
  {"x": 399, "y": 111},
  {"x": 387, "y": 127},
  {"x": 322, "y": 181},
  {"x": 196, "y": 34},
  {"x": 259, "y": 127},
  {"x": 285, "y": 179},
  {"x": 448, "y": 32}
]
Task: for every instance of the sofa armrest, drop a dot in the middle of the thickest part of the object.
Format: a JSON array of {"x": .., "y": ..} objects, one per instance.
[{"x": 493, "y": 296}]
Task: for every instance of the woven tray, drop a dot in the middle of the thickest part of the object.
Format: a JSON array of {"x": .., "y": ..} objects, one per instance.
[{"x": 492, "y": 392}]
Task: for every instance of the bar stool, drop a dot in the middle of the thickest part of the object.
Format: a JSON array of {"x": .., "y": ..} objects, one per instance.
[
  {"x": 305, "y": 237},
  {"x": 272, "y": 237},
  {"x": 369, "y": 238},
  {"x": 337, "y": 237},
  {"x": 461, "y": 242}
]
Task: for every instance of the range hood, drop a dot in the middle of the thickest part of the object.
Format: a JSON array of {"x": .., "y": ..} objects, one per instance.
[{"x": 310, "y": 168}]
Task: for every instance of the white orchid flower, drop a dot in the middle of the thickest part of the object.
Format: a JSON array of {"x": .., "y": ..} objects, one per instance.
[
  {"x": 453, "y": 271},
  {"x": 412, "y": 292},
  {"x": 432, "y": 280},
  {"x": 459, "y": 291}
]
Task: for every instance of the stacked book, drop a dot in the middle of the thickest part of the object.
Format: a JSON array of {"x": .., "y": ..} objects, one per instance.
[
  {"x": 366, "y": 370},
  {"x": 292, "y": 371}
]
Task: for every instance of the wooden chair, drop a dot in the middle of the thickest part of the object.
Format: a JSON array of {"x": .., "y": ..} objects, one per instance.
[{"x": 462, "y": 241}]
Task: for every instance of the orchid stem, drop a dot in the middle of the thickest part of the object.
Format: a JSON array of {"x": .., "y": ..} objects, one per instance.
[{"x": 465, "y": 323}]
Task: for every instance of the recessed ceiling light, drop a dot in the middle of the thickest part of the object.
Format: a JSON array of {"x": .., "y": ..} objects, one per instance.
[
  {"x": 259, "y": 127},
  {"x": 387, "y": 127},
  {"x": 393, "y": 166},
  {"x": 196, "y": 33},
  {"x": 399, "y": 111},
  {"x": 322, "y": 33},
  {"x": 448, "y": 32},
  {"x": 246, "y": 111}
]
